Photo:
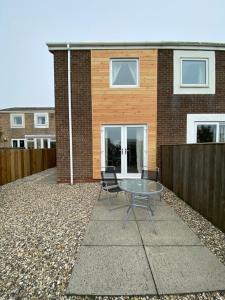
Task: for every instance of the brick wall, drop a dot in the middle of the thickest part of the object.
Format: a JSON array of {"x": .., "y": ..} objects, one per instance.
[
  {"x": 173, "y": 109},
  {"x": 19, "y": 133},
  {"x": 81, "y": 115}
]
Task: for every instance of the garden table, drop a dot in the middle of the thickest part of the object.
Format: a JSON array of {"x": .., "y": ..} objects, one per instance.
[{"x": 141, "y": 192}]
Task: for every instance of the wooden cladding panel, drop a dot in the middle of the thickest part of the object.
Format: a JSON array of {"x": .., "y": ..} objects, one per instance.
[{"x": 111, "y": 106}]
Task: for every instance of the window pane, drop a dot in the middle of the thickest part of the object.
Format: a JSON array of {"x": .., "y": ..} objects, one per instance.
[
  {"x": 45, "y": 142},
  {"x": 113, "y": 147},
  {"x": 30, "y": 144},
  {"x": 206, "y": 133},
  {"x": 222, "y": 133},
  {"x": 193, "y": 71},
  {"x": 18, "y": 120},
  {"x": 14, "y": 144},
  {"x": 124, "y": 72},
  {"x": 21, "y": 144},
  {"x": 52, "y": 144},
  {"x": 41, "y": 120},
  {"x": 38, "y": 143},
  {"x": 135, "y": 141}
]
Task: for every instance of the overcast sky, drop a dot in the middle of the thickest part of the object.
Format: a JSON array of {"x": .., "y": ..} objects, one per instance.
[{"x": 26, "y": 66}]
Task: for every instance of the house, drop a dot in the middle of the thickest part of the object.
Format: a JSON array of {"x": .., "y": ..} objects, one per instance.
[
  {"x": 116, "y": 103},
  {"x": 27, "y": 127}
]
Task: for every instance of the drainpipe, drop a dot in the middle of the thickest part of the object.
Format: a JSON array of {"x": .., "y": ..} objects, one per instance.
[{"x": 70, "y": 113}]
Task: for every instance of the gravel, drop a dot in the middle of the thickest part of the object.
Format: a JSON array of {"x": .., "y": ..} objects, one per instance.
[{"x": 42, "y": 226}]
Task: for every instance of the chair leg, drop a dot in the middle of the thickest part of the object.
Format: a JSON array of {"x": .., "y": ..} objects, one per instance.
[
  {"x": 99, "y": 193},
  {"x": 127, "y": 217}
]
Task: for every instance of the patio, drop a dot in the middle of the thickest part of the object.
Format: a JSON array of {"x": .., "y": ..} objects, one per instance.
[
  {"x": 47, "y": 230},
  {"x": 136, "y": 261}
]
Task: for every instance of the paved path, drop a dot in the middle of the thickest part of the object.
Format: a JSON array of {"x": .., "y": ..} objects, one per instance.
[{"x": 137, "y": 261}]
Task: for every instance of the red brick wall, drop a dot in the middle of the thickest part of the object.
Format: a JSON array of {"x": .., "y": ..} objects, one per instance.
[
  {"x": 81, "y": 115},
  {"x": 173, "y": 109},
  {"x": 61, "y": 116}
]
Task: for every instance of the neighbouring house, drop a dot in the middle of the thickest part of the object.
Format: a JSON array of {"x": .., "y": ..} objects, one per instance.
[
  {"x": 116, "y": 103},
  {"x": 27, "y": 127}
]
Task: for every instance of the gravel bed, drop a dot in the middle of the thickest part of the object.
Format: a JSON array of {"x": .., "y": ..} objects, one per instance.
[{"x": 42, "y": 226}]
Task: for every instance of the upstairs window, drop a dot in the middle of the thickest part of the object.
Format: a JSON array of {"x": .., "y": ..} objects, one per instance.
[
  {"x": 124, "y": 73},
  {"x": 194, "y": 72},
  {"x": 17, "y": 120},
  {"x": 41, "y": 120}
]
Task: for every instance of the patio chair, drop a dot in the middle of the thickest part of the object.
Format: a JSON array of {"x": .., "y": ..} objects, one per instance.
[
  {"x": 109, "y": 181},
  {"x": 150, "y": 174}
]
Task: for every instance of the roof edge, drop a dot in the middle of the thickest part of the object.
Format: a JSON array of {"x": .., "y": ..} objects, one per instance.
[{"x": 52, "y": 46}]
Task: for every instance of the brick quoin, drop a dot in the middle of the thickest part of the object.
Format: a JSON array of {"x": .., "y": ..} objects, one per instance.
[{"x": 172, "y": 109}]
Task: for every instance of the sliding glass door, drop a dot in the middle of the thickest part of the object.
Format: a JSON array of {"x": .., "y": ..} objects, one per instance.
[{"x": 125, "y": 147}]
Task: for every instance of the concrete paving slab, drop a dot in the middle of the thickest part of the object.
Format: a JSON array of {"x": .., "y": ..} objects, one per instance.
[
  {"x": 102, "y": 212},
  {"x": 161, "y": 212},
  {"x": 189, "y": 269},
  {"x": 112, "y": 233},
  {"x": 167, "y": 233},
  {"x": 111, "y": 271}
]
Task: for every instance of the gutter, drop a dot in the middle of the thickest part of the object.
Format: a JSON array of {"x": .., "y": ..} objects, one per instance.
[
  {"x": 70, "y": 113},
  {"x": 137, "y": 45}
]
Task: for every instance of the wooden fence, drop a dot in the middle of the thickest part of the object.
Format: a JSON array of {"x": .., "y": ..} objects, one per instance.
[
  {"x": 18, "y": 163},
  {"x": 196, "y": 173}
]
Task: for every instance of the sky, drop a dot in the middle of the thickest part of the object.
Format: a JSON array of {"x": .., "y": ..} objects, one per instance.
[{"x": 26, "y": 66}]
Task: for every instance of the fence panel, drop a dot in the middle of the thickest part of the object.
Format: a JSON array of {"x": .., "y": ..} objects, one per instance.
[
  {"x": 196, "y": 173},
  {"x": 18, "y": 163}
]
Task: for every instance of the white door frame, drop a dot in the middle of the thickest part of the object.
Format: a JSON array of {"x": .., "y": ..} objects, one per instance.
[{"x": 124, "y": 127}]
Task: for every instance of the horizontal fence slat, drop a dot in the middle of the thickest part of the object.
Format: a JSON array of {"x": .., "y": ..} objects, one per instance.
[
  {"x": 19, "y": 163},
  {"x": 196, "y": 173}
]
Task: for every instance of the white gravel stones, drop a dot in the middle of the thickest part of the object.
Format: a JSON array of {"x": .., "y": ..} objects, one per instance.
[{"x": 42, "y": 226}]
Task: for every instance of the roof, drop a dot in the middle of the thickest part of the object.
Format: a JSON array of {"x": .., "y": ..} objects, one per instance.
[
  {"x": 137, "y": 45},
  {"x": 26, "y": 109}
]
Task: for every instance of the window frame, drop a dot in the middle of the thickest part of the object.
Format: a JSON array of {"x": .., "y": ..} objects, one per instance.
[
  {"x": 36, "y": 125},
  {"x": 195, "y": 85},
  {"x": 13, "y": 125},
  {"x": 206, "y": 123},
  {"x": 193, "y": 120},
  {"x": 181, "y": 88},
  {"x": 18, "y": 141},
  {"x": 137, "y": 85}
]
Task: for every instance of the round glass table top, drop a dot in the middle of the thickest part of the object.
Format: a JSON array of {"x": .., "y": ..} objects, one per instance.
[{"x": 140, "y": 186}]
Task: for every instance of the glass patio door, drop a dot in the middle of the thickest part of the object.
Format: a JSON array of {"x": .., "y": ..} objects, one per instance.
[{"x": 125, "y": 147}]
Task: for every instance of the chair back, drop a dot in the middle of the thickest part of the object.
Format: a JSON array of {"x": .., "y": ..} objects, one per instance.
[
  {"x": 109, "y": 176},
  {"x": 150, "y": 174}
]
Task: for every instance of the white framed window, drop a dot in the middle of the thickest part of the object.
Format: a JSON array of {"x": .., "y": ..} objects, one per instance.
[
  {"x": 41, "y": 120},
  {"x": 18, "y": 143},
  {"x": 206, "y": 128},
  {"x": 17, "y": 120},
  {"x": 124, "y": 72},
  {"x": 193, "y": 72}
]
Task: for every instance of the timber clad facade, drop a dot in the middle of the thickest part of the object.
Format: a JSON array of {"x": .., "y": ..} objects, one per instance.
[{"x": 117, "y": 125}]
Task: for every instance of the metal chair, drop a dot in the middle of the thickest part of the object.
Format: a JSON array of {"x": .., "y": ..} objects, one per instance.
[
  {"x": 109, "y": 184},
  {"x": 150, "y": 174},
  {"x": 109, "y": 181},
  {"x": 153, "y": 175}
]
